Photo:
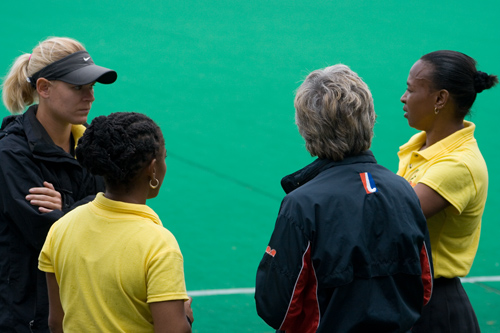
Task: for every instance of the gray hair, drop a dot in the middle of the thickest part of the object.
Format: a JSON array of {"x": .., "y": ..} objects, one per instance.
[{"x": 334, "y": 113}]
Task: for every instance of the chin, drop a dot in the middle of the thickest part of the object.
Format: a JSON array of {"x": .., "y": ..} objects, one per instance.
[
  {"x": 415, "y": 127},
  {"x": 79, "y": 120}
]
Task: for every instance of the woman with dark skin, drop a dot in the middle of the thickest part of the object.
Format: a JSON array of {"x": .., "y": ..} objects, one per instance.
[
  {"x": 447, "y": 171},
  {"x": 113, "y": 256}
]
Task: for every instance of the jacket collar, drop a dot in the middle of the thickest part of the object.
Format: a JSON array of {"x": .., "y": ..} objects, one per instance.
[
  {"x": 37, "y": 136},
  {"x": 8, "y": 120},
  {"x": 39, "y": 140},
  {"x": 306, "y": 174}
]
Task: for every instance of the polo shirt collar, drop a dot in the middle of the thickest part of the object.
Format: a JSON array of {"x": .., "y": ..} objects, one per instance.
[
  {"x": 447, "y": 144},
  {"x": 124, "y": 207}
]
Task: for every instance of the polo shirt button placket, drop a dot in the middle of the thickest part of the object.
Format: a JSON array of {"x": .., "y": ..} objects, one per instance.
[{"x": 414, "y": 156}]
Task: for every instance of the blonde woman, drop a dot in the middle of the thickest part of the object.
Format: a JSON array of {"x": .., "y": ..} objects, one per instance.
[{"x": 39, "y": 175}]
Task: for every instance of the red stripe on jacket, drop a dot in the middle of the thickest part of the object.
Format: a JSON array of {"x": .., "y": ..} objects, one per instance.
[
  {"x": 303, "y": 311},
  {"x": 426, "y": 274}
]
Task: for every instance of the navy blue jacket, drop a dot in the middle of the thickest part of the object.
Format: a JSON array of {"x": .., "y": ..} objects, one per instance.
[
  {"x": 28, "y": 157},
  {"x": 349, "y": 252}
]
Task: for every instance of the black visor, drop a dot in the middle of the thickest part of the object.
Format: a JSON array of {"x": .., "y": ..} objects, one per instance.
[{"x": 78, "y": 68}]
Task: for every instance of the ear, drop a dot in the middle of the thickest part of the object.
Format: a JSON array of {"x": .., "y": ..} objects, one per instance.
[
  {"x": 442, "y": 98},
  {"x": 42, "y": 87},
  {"x": 152, "y": 168}
]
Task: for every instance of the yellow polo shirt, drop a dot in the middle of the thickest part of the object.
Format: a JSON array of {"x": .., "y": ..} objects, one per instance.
[
  {"x": 454, "y": 168},
  {"x": 111, "y": 259}
]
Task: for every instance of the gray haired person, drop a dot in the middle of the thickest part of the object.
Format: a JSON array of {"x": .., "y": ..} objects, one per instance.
[{"x": 349, "y": 251}]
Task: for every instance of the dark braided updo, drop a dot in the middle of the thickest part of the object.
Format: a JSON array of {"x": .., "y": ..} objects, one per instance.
[{"x": 118, "y": 146}]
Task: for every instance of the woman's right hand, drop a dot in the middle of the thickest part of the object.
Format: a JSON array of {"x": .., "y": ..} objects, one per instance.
[{"x": 46, "y": 197}]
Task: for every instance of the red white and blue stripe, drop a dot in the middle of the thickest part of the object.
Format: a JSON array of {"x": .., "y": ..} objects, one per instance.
[{"x": 368, "y": 182}]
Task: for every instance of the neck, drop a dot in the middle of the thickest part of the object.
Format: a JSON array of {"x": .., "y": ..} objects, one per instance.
[
  {"x": 58, "y": 131},
  {"x": 125, "y": 197},
  {"x": 135, "y": 193},
  {"x": 438, "y": 133}
]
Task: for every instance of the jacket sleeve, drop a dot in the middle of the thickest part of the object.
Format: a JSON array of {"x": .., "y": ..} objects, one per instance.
[
  {"x": 90, "y": 186},
  {"x": 18, "y": 173},
  {"x": 285, "y": 291}
]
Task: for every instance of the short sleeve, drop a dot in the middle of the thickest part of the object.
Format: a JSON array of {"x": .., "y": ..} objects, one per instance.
[
  {"x": 165, "y": 277},
  {"x": 45, "y": 258},
  {"x": 452, "y": 179}
]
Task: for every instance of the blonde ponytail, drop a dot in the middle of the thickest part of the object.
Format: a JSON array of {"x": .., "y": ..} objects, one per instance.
[{"x": 17, "y": 92}]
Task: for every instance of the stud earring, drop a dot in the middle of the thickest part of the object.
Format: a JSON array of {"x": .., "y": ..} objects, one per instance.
[{"x": 436, "y": 110}]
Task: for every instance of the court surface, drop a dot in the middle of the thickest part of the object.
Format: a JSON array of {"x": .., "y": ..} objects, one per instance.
[{"x": 219, "y": 78}]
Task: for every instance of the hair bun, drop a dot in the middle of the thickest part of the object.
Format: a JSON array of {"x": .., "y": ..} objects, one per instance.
[
  {"x": 480, "y": 81},
  {"x": 484, "y": 81}
]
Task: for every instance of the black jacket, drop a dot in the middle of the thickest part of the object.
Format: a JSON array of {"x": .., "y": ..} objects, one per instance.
[
  {"x": 348, "y": 252},
  {"x": 28, "y": 157}
]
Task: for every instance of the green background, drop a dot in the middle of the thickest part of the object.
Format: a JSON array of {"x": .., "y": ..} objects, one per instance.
[{"x": 219, "y": 78}]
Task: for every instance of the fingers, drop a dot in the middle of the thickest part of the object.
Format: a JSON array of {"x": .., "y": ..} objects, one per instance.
[
  {"x": 47, "y": 189},
  {"x": 44, "y": 210},
  {"x": 45, "y": 205},
  {"x": 46, "y": 197},
  {"x": 49, "y": 185}
]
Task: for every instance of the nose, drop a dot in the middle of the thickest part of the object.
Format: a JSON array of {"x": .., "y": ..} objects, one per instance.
[
  {"x": 403, "y": 98},
  {"x": 89, "y": 95}
]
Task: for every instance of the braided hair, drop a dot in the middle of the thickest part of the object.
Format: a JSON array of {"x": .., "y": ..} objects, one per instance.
[
  {"x": 457, "y": 73},
  {"x": 118, "y": 146}
]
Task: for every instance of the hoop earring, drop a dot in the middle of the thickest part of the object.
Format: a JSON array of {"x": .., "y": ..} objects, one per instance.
[
  {"x": 154, "y": 186},
  {"x": 436, "y": 110}
]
